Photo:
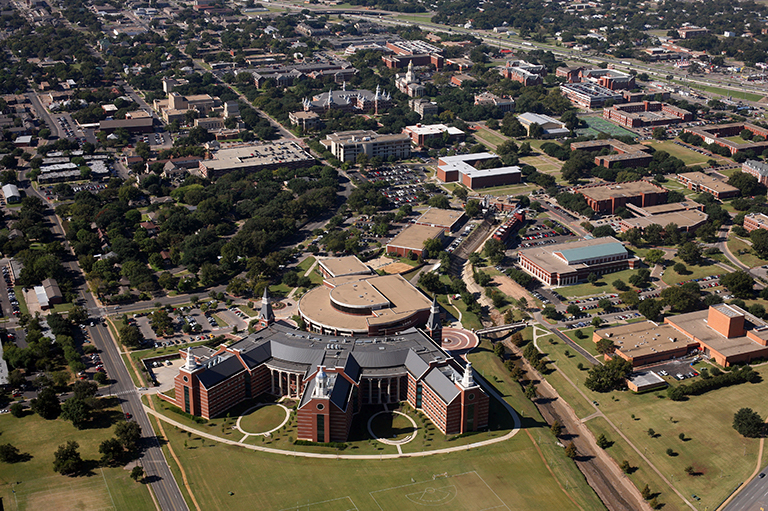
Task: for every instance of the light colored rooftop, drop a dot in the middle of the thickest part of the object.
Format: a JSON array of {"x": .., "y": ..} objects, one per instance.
[
  {"x": 437, "y": 217},
  {"x": 257, "y": 154},
  {"x": 695, "y": 324},
  {"x": 346, "y": 265},
  {"x": 709, "y": 181},
  {"x": 610, "y": 191},
  {"x": 645, "y": 338},
  {"x": 414, "y": 236},
  {"x": 402, "y": 300},
  {"x": 687, "y": 219},
  {"x": 666, "y": 208},
  {"x": 433, "y": 129}
]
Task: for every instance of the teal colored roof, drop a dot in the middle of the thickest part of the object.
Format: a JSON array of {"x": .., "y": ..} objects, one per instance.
[{"x": 604, "y": 250}]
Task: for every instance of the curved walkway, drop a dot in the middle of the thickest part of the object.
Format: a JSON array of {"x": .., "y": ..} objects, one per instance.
[
  {"x": 491, "y": 391},
  {"x": 263, "y": 433}
]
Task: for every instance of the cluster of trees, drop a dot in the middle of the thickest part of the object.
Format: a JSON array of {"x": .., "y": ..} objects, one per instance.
[
  {"x": 41, "y": 353},
  {"x": 713, "y": 380},
  {"x": 609, "y": 376}
]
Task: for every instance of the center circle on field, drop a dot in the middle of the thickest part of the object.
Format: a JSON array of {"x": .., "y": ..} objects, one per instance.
[
  {"x": 263, "y": 418},
  {"x": 399, "y": 420}
]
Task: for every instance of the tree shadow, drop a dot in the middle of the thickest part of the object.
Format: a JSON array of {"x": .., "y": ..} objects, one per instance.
[{"x": 584, "y": 457}]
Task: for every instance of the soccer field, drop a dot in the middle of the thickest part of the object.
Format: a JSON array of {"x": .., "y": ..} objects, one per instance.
[{"x": 455, "y": 493}]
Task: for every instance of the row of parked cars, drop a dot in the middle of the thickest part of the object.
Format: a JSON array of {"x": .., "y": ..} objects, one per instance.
[{"x": 11, "y": 292}]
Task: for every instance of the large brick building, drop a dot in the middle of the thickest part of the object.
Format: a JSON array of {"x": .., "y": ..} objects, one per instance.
[
  {"x": 523, "y": 72},
  {"x": 720, "y": 133},
  {"x": 463, "y": 168},
  {"x": 701, "y": 182},
  {"x": 646, "y": 113},
  {"x": 726, "y": 333},
  {"x": 589, "y": 95},
  {"x": 607, "y": 198},
  {"x": 757, "y": 169},
  {"x": 334, "y": 378},
  {"x": 754, "y": 221},
  {"x": 568, "y": 263},
  {"x": 625, "y": 155},
  {"x": 412, "y": 238}
]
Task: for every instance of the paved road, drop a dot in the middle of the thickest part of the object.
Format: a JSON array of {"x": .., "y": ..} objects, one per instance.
[
  {"x": 158, "y": 472},
  {"x": 753, "y": 497},
  {"x": 153, "y": 460}
]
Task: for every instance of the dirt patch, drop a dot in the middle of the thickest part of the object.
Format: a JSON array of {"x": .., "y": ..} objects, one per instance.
[
  {"x": 510, "y": 288},
  {"x": 393, "y": 268},
  {"x": 379, "y": 262}
]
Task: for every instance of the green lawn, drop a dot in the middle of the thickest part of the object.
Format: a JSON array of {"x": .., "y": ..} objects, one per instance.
[
  {"x": 721, "y": 456},
  {"x": 671, "y": 277},
  {"x": 22, "y": 301},
  {"x": 601, "y": 286},
  {"x": 507, "y": 472},
  {"x": 586, "y": 342},
  {"x": 489, "y": 135},
  {"x": 262, "y": 419},
  {"x": 306, "y": 264},
  {"x": 688, "y": 156},
  {"x": 748, "y": 96},
  {"x": 220, "y": 322},
  {"x": 736, "y": 245},
  {"x": 37, "y": 486}
]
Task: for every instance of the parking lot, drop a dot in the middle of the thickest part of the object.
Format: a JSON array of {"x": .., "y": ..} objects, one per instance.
[
  {"x": 405, "y": 183},
  {"x": 680, "y": 369},
  {"x": 541, "y": 233}
]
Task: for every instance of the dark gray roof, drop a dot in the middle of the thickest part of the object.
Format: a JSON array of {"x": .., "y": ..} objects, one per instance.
[
  {"x": 258, "y": 355},
  {"x": 340, "y": 392},
  {"x": 442, "y": 385},
  {"x": 386, "y": 357},
  {"x": 220, "y": 372},
  {"x": 415, "y": 364},
  {"x": 294, "y": 353}
]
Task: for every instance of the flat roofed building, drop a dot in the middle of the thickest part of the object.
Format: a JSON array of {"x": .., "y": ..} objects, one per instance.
[
  {"x": 552, "y": 127},
  {"x": 265, "y": 156},
  {"x": 501, "y": 103},
  {"x": 757, "y": 169},
  {"x": 661, "y": 209},
  {"x": 642, "y": 381},
  {"x": 140, "y": 125},
  {"x": 634, "y": 155},
  {"x": 646, "y": 113},
  {"x": 611, "y": 79},
  {"x": 448, "y": 219},
  {"x": 462, "y": 168},
  {"x": 727, "y": 333},
  {"x": 348, "y": 145},
  {"x": 423, "y": 107},
  {"x": 364, "y": 305},
  {"x": 412, "y": 238},
  {"x": 687, "y": 221},
  {"x": 42, "y": 298},
  {"x": 568, "y": 263},
  {"x": 332, "y": 379},
  {"x": 307, "y": 120},
  {"x": 607, "y": 198},
  {"x": 754, "y": 221},
  {"x": 719, "y": 134},
  {"x": 589, "y": 95},
  {"x": 701, "y": 182},
  {"x": 333, "y": 267},
  {"x": 420, "y": 134}
]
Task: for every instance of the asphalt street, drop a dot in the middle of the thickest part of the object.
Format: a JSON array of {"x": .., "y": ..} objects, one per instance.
[{"x": 754, "y": 497}]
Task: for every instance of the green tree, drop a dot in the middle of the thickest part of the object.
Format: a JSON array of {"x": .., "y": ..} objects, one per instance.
[
  {"x": 626, "y": 467},
  {"x": 654, "y": 256},
  {"x": 111, "y": 452},
  {"x": 76, "y": 410},
  {"x": 605, "y": 346},
  {"x": 9, "y": 453},
  {"x": 646, "y": 493},
  {"x": 689, "y": 253},
  {"x": 620, "y": 285},
  {"x": 137, "y": 473},
  {"x": 609, "y": 376},
  {"x": 680, "y": 268},
  {"x": 129, "y": 434},
  {"x": 570, "y": 451},
  {"x": 17, "y": 410},
  {"x": 556, "y": 428},
  {"x": 739, "y": 283},
  {"x": 650, "y": 308},
  {"x": 46, "y": 404},
  {"x": 592, "y": 278},
  {"x": 67, "y": 460},
  {"x": 603, "y": 442},
  {"x": 473, "y": 207},
  {"x": 130, "y": 336},
  {"x": 748, "y": 423}
]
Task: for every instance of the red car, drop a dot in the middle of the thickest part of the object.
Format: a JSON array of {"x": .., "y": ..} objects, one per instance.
[{"x": 128, "y": 416}]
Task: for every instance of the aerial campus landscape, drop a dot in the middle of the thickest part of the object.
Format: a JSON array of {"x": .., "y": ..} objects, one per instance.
[{"x": 383, "y": 255}]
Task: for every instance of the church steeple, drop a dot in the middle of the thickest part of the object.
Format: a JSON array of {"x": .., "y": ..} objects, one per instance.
[
  {"x": 434, "y": 323},
  {"x": 409, "y": 78},
  {"x": 266, "y": 316},
  {"x": 468, "y": 380}
]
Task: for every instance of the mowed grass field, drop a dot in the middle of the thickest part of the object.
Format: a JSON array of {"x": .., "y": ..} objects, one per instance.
[
  {"x": 38, "y": 487},
  {"x": 602, "y": 286},
  {"x": 720, "y": 457},
  {"x": 735, "y": 245},
  {"x": 688, "y": 156},
  {"x": 527, "y": 472},
  {"x": 694, "y": 271}
]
